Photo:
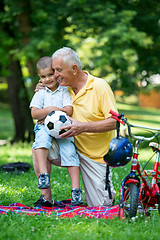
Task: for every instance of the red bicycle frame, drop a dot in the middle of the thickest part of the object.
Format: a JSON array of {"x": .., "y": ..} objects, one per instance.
[{"x": 149, "y": 191}]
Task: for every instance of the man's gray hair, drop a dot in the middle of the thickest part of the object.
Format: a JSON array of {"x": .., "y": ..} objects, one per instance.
[{"x": 69, "y": 56}]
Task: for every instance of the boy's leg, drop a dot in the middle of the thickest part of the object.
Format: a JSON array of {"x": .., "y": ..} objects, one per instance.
[
  {"x": 70, "y": 159},
  {"x": 44, "y": 178},
  {"x": 41, "y": 155},
  {"x": 41, "y": 145},
  {"x": 45, "y": 192},
  {"x": 76, "y": 193},
  {"x": 74, "y": 175}
]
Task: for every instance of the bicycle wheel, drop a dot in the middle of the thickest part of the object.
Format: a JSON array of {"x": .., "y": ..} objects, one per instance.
[
  {"x": 158, "y": 201},
  {"x": 128, "y": 208}
]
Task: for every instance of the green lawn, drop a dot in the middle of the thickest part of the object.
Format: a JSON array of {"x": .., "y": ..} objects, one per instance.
[
  {"x": 6, "y": 122},
  {"x": 23, "y": 188}
]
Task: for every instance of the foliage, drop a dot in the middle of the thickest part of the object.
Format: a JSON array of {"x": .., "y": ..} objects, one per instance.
[
  {"x": 116, "y": 40},
  {"x": 30, "y": 29}
]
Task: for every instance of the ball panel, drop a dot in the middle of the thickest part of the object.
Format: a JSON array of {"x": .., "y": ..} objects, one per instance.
[
  {"x": 62, "y": 118},
  {"x": 50, "y": 125},
  {"x": 51, "y": 113},
  {"x": 54, "y": 121}
]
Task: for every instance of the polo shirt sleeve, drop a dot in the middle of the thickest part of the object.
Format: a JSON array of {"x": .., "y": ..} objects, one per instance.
[
  {"x": 38, "y": 100},
  {"x": 107, "y": 101},
  {"x": 66, "y": 98}
]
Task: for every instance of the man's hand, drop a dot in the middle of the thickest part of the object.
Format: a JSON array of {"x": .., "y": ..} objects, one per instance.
[
  {"x": 72, "y": 130},
  {"x": 77, "y": 127},
  {"x": 39, "y": 86}
]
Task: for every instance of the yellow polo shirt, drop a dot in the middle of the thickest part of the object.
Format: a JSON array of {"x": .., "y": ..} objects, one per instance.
[{"x": 93, "y": 103}]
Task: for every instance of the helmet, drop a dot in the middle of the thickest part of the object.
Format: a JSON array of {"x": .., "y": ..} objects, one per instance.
[{"x": 120, "y": 152}]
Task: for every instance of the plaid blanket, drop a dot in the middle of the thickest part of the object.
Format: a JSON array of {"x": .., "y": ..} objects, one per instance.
[{"x": 66, "y": 211}]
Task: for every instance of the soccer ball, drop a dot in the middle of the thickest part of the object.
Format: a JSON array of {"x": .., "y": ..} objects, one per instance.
[{"x": 54, "y": 121}]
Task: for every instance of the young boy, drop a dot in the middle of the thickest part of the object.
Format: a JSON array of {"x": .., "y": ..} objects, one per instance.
[{"x": 53, "y": 97}]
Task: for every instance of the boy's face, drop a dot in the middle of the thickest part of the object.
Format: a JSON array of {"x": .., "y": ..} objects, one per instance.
[{"x": 48, "y": 79}]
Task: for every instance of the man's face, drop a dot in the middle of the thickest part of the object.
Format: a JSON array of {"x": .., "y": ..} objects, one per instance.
[
  {"x": 62, "y": 72},
  {"x": 47, "y": 78}
]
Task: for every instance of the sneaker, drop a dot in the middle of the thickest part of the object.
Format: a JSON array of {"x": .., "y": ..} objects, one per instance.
[
  {"x": 76, "y": 195},
  {"x": 43, "y": 202},
  {"x": 43, "y": 181}
]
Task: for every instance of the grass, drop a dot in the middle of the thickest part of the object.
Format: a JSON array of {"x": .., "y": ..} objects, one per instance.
[
  {"x": 23, "y": 188},
  {"x": 6, "y": 122}
]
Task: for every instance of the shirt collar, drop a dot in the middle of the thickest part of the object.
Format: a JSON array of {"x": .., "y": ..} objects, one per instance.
[
  {"x": 57, "y": 89},
  {"x": 89, "y": 83}
]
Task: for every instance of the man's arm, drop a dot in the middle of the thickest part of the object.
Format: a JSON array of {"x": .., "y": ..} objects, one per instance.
[
  {"x": 39, "y": 86},
  {"x": 77, "y": 127}
]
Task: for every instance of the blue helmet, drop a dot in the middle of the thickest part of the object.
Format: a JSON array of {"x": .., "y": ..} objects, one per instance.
[{"x": 120, "y": 152}]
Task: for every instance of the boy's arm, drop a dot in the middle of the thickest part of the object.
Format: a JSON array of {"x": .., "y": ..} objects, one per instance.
[
  {"x": 43, "y": 112},
  {"x": 68, "y": 110}
]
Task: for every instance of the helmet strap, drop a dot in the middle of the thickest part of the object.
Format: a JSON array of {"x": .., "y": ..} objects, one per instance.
[
  {"x": 118, "y": 128},
  {"x": 108, "y": 187}
]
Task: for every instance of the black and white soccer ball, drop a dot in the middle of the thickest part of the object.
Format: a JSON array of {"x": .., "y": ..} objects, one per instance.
[{"x": 54, "y": 121}]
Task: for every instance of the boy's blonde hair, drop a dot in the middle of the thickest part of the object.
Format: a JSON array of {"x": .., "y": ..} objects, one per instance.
[{"x": 44, "y": 62}]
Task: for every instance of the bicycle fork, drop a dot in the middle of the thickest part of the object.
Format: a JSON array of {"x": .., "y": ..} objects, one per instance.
[{"x": 132, "y": 177}]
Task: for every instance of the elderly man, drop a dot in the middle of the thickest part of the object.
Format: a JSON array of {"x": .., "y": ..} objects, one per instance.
[{"x": 91, "y": 126}]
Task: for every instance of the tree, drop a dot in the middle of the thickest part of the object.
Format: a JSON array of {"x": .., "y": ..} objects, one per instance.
[
  {"x": 16, "y": 89},
  {"x": 28, "y": 30},
  {"x": 109, "y": 40},
  {"x": 115, "y": 39}
]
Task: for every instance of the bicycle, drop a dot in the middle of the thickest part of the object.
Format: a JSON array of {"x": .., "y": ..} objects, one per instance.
[{"x": 138, "y": 192}]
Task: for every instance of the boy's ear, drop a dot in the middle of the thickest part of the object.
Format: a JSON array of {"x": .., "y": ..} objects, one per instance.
[{"x": 74, "y": 68}]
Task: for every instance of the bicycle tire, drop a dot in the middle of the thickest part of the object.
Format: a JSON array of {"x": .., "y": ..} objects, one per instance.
[
  {"x": 128, "y": 208},
  {"x": 158, "y": 200}
]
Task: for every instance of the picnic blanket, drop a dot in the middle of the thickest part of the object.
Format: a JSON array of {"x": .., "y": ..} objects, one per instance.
[{"x": 65, "y": 210}]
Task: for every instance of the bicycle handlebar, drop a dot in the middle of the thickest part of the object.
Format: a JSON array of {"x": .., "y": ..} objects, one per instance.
[{"x": 120, "y": 118}]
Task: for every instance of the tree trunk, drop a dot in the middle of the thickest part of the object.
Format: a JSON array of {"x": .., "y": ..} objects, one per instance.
[
  {"x": 17, "y": 92},
  {"x": 24, "y": 27},
  {"x": 19, "y": 103}
]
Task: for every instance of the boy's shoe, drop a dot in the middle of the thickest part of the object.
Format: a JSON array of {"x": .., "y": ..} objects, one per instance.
[
  {"x": 43, "y": 202},
  {"x": 43, "y": 181},
  {"x": 76, "y": 195}
]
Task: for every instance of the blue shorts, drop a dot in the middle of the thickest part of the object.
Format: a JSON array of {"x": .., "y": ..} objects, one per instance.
[{"x": 67, "y": 150}]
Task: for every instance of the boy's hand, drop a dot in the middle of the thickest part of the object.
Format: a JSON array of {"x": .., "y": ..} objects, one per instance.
[
  {"x": 53, "y": 108},
  {"x": 41, "y": 121}
]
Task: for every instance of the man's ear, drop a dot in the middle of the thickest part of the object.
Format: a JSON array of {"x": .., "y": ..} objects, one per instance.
[{"x": 75, "y": 68}]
